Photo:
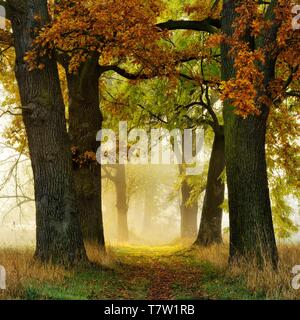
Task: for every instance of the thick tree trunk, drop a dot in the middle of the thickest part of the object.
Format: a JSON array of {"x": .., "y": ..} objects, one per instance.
[
  {"x": 210, "y": 231},
  {"x": 58, "y": 237},
  {"x": 251, "y": 226},
  {"x": 85, "y": 120},
  {"x": 189, "y": 213},
  {"x": 121, "y": 203}
]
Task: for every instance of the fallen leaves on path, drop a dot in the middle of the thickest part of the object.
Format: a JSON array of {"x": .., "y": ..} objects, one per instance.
[{"x": 168, "y": 276}]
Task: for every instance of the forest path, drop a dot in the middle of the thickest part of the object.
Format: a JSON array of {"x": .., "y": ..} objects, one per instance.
[
  {"x": 169, "y": 273},
  {"x": 129, "y": 273}
]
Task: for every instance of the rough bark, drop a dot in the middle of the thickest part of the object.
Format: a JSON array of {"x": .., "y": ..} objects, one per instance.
[
  {"x": 85, "y": 120},
  {"x": 121, "y": 203},
  {"x": 251, "y": 227},
  {"x": 210, "y": 231},
  {"x": 58, "y": 236}
]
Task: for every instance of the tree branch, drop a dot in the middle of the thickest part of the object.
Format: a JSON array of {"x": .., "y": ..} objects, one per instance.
[
  {"x": 153, "y": 114},
  {"x": 124, "y": 73},
  {"x": 295, "y": 94},
  {"x": 108, "y": 175},
  {"x": 208, "y": 25}
]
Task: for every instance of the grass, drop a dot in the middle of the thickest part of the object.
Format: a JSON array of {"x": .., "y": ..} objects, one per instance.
[{"x": 149, "y": 273}]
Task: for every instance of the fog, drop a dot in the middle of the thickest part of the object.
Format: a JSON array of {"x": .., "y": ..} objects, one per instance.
[
  {"x": 153, "y": 184},
  {"x": 153, "y": 199}
]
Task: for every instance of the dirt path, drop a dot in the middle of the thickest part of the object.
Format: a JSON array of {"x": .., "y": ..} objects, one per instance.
[{"x": 168, "y": 275}]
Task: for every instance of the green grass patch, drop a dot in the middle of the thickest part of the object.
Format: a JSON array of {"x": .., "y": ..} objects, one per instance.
[{"x": 140, "y": 273}]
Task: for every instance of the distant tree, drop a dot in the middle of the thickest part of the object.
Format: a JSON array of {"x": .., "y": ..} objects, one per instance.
[{"x": 117, "y": 175}]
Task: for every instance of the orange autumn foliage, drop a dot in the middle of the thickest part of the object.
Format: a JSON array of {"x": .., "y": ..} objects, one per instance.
[
  {"x": 252, "y": 45},
  {"x": 118, "y": 30}
]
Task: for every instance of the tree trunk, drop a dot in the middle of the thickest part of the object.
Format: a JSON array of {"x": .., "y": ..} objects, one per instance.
[
  {"x": 85, "y": 120},
  {"x": 58, "y": 237},
  {"x": 251, "y": 227},
  {"x": 149, "y": 208},
  {"x": 121, "y": 203},
  {"x": 210, "y": 231},
  {"x": 189, "y": 213}
]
